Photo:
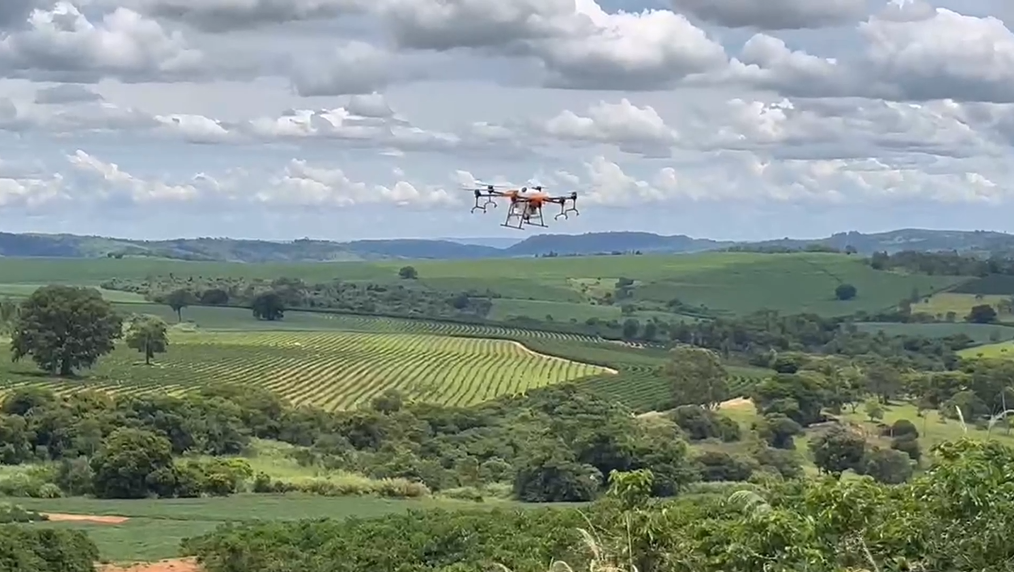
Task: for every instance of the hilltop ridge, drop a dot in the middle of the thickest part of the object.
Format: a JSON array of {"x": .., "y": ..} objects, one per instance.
[{"x": 310, "y": 250}]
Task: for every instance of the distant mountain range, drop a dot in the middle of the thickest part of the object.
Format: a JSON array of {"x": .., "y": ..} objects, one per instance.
[{"x": 306, "y": 250}]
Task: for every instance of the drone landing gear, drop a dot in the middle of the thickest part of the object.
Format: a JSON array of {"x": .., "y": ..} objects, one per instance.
[
  {"x": 482, "y": 207},
  {"x": 521, "y": 214}
]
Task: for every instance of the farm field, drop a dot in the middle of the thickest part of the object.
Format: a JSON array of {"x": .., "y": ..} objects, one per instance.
[
  {"x": 981, "y": 333},
  {"x": 998, "y": 350},
  {"x": 155, "y": 528},
  {"x": 961, "y": 304},
  {"x": 733, "y": 283},
  {"x": 333, "y": 370},
  {"x": 507, "y": 308}
]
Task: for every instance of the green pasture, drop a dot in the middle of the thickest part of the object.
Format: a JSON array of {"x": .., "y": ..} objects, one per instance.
[
  {"x": 939, "y": 305},
  {"x": 156, "y": 527},
  {"x": 790, "y": 283},
  {"x": 727, "y": 282},
  {"x": 998, "y": 350},
  {"x": 506, "y": 308},
  {"x": 981, "y": 333}
]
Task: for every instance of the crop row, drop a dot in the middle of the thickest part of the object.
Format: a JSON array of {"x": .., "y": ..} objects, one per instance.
[
  {"x": 334, "y": 370},
  {"x": 373, "y": 324}
]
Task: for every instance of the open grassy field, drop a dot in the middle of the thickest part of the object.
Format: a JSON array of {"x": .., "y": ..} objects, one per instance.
[
  {"x": 961, "y": 304},
  {"x": 981, "y": 333},
  {"x": 155, "y": 528},
  {"x": 997, "y": 350},
  {"x": 728, "y": 282}
]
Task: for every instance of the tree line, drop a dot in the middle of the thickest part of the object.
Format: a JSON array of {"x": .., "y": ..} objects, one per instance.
[{"x": 957, "y": 516}]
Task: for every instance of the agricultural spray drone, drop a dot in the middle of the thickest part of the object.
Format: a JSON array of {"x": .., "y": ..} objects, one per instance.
[{"x": 525, "y": 204}]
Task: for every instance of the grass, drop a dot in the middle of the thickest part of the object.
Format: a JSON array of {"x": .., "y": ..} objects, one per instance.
[
  {"x": 156, "y": 527},
  {"x": 939, "y": 305},
  {"x": 981, "y": 333},
  {"x": 791, "y": 283},
  {"x": 733, "y": 283},
  {"x": 998, "y": 350},
  {"x": 334, "y": 370}
]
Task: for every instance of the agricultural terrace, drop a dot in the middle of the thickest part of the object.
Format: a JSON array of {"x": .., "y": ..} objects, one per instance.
[{"x": 730, "y": 283}]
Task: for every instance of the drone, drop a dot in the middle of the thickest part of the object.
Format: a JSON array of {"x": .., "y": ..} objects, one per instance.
[{"x": 525, "y": 208}]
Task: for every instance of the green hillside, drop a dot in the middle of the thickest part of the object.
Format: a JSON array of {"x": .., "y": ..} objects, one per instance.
[{"x": 716, "y": 283}]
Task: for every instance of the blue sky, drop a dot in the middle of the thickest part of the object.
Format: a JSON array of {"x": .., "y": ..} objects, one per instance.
[{"x": 347, "y": 119}]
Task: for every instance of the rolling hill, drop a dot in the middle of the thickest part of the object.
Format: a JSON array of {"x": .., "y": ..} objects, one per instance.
[{"x": 307, "y": 250}]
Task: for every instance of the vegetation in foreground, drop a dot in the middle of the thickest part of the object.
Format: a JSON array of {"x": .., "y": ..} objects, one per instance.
[
  {"x": 822, "y": 524},
  {"x": 560, "y": 444}
]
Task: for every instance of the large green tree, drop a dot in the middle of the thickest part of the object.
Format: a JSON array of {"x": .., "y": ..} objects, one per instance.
[
  {"x": 697, "y": 377},
  {"x": 179, "y": 299},
  {"x": 131, "y": 463},
  {"x": 268, "y": 306},
  {"x": 64, "y": 327},
  {"x": 148, "y": 335}
]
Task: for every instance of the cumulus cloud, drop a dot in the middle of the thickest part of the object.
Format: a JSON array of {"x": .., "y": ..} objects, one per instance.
[
  {"x": 909, "y": 54},
  {"x": 773, "y": 14},
  {"x": 355, "y": 68},
  {"x": 367, "y": 120},
  {"x": 298, "y": 183},
  {"x": 748, "y": 178},
  {"x": 61, "y": 44},
  {"x": 120, "y": 185},
  {"x": 631, "y": 128}
]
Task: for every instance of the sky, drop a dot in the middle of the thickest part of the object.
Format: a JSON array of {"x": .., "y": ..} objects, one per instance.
[{"x": 367, "y": 119}]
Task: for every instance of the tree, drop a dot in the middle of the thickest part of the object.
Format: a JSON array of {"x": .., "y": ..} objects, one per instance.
[
  {"x": 845, "y": 292},
  {"x": 64, "y": 328},
  {"x": 148, "y": 335},
  {"x": 778, "y": 430},
  {"x": 838, "y": 450},
  {"x": 888, "y": 466},
  {"x": 179, "y": 299},
  {"x": 873, "y": 409},
  {"x": 130, "y": 463},
  {"x": 982, "y": 314},
  {"x": 214, "y": 297},
  {"x": 9, "y": 310},
  {"x": 408, "y": 273},
  {"x": 268, "y": 306},
  {"x": 696, "y": 377}
]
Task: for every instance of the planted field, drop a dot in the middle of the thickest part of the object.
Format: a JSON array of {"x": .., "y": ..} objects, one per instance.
[
  {"x": 727, "y": 282},
  {"x": 981, "y": 333},
  {"x": 334, "y": 370}
]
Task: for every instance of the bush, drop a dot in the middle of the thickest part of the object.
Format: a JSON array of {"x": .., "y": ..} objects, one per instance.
[
  {"x": 721, "y": 466},
  {"x": 908, "y": 445},
  {"x": 46, "y": 550}
]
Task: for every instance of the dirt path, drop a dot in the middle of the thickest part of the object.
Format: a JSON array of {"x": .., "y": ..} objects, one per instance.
[
  {"x": 530, "y": 351},
  {"x": 738, "y": 403},
  {"x": 174, "y": 565},
  {"x": 60, "y": 517}
]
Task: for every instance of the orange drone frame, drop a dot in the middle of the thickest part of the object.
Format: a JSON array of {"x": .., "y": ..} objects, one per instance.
[{"x": 525, "y": 208}]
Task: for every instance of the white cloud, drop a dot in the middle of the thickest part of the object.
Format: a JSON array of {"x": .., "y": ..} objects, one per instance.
[
  {"x": 118, "y": 184},
  {"x": 632, "y": 128},
  {"x": 909, "y": 54},
  {"x": 844, "y": 106},
  {"x": 62, "y": 44}
]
